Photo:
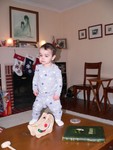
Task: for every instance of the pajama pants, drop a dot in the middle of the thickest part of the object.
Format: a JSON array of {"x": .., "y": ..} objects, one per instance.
[{"x": 46, "y": 101}]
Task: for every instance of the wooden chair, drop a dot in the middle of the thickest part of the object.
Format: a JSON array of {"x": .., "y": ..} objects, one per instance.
[
  {"x": 91, "y": 70},
  {"x": 107, "y": 90}
]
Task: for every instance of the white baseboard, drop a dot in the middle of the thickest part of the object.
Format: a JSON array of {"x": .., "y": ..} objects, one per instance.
[{"x": 106, "y": 121}]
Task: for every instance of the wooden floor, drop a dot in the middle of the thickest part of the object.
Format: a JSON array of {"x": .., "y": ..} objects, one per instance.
[{"x": 78, "y": 105}]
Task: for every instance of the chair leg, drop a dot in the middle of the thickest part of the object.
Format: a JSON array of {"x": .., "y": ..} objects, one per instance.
[
  {"x": 84, "y": 93},
  {"x": 75, "y": 91},
  {"x": 105, "y": 99},
  {"x": 88, "y": 98},
  {"x": 96, "y": 98}
]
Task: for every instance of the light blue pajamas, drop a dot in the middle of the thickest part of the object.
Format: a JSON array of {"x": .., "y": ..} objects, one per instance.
[{"x": 48, "y": 82}]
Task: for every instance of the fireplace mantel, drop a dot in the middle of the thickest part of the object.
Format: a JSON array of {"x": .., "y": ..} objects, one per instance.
[
  {"x": 7, "y": 53},
  {"x": 6, "y": 58}
]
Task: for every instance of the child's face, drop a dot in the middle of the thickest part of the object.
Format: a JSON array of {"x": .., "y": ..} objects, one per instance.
[{"x": 46, "y": 57}]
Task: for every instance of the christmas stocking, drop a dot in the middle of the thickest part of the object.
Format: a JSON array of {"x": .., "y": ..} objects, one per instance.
[
  {"x": 17, "y": 67},
  {"x": 28, "y": 65},
  {"x": 35, "y": 63}
]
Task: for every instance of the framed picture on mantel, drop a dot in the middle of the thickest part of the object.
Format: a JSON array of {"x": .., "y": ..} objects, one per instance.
[
  {"x": 24, "y": 25},
  {"x": 62, "y": 43}
]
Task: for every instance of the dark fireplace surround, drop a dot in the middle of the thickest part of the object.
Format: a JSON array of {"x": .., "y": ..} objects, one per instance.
[{"x": 20, "y": 89}]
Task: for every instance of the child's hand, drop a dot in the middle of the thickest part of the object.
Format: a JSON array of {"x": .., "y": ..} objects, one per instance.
[
  {"x": 35, "y": 93},
  {"x": 56, "y": 97}
]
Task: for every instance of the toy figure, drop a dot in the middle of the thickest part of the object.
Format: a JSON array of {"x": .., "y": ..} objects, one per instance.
[{"x": 43, "y": 126}]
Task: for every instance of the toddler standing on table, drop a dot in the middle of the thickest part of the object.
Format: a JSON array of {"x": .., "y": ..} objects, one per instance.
[{"x": 47, "y": 85}]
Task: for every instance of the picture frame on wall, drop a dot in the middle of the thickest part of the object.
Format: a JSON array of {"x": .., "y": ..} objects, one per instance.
[
  {"x": 24, "y": 25},
  {"x": 62, "y": 43},
  {"x": 109, "y": 29},
  {"x": 95, "y": 31},
  {"x": 82, "y": 34}
]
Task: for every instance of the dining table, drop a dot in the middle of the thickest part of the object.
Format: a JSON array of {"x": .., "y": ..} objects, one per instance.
[{"x": 98, "y": 98}]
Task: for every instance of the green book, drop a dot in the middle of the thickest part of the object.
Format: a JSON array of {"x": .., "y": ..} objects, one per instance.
[{"x": 84, "y": 133}]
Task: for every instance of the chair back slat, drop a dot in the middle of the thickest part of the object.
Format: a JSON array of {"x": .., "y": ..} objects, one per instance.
[{"x": 92, "y": 70}]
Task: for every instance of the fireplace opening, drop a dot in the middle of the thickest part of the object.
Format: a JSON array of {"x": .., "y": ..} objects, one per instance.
[{"x": 23, "y": 94}]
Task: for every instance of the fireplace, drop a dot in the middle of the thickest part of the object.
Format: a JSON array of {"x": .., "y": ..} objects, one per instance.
[
  {"x": 20, "y": 89},
  {"x": 6, "y": 63}
]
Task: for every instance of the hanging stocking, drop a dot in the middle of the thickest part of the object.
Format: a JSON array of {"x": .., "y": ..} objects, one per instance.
[
  {"x": 17, "y": 67},
  {"x": 35, "y": 63},
  {"x": 28, "y": 65}
]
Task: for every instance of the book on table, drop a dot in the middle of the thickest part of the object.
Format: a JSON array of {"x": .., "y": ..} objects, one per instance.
[{"x": 84, "y": 133}]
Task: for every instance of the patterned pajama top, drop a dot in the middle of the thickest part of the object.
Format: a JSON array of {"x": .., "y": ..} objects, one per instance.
[{"x": 47, "y": 80}]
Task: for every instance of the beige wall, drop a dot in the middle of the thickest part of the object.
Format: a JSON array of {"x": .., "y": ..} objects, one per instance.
[
  {"x": 49, "y": 22},
  {"x": 67, "y": 24},
  {"x": 100, "y": 49},
  {"x": 80, "y": 51}
]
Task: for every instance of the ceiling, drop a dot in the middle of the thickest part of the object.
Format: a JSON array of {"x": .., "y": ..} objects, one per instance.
[{"x": 56, "y": 5}]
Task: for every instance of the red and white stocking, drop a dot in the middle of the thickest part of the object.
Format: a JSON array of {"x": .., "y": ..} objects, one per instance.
[{"x": 18, "y": 62}]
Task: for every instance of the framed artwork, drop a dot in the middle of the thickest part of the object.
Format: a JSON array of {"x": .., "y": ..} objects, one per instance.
[
  {"x": 82, "y": 34},
  {"x": 62, "y": 43},
  {"x": 109, "y": 29},
  {"x": 24, "y": 25},
  {"x": 95, "y": 31}
]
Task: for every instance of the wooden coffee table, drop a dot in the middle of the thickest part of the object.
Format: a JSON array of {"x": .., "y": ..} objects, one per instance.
[{"x": 22, "y": 140}]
